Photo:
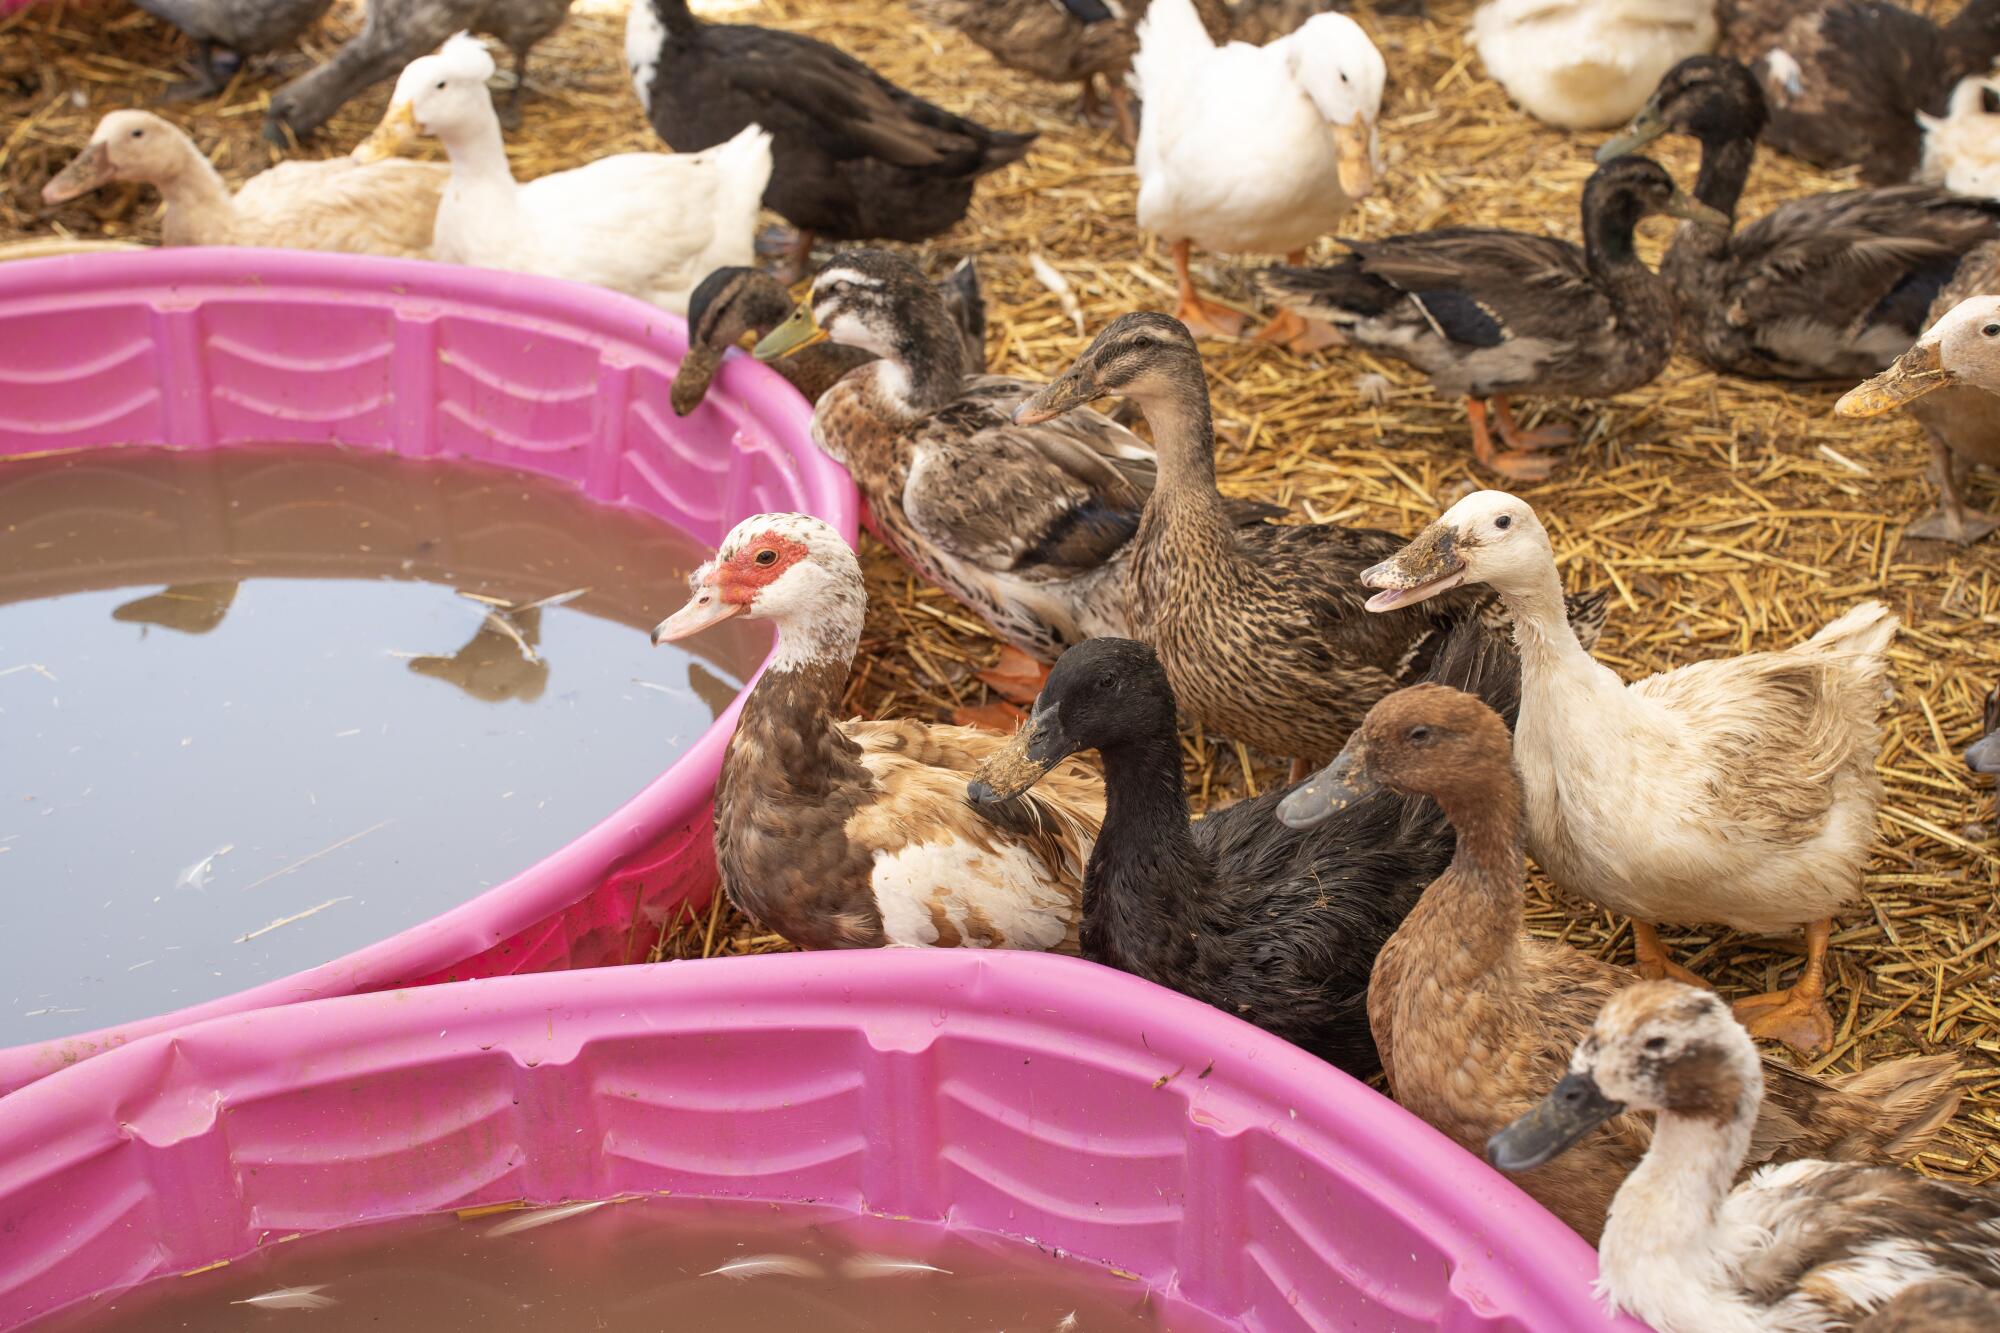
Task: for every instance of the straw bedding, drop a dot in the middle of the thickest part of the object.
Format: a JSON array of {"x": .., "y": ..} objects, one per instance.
[{"x": 1725, "y": 515}]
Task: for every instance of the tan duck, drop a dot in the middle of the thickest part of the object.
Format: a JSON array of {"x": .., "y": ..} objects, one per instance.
[
  {"x": 1474, "y": 1020},
  {"x": 378, "y": 208},
  {"x": 1950, "y": 381},
  {"x": 1261, "y": 629},
  {"x": 1805, "y": 1247},
  {"x": 1740, "y": 790},
  {"x": 857, "y": 834},
  {"x": 732, "y": 302},
  {"x": 1028, "y": 525}
]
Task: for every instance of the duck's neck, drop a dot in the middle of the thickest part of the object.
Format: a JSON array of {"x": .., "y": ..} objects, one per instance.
[
  {"x": 1725, "y": 169},
  {"x": 1664, "y": 1216},
  {"x": 481, "y": 180},
  {"x": 200, "y": 208},
  {"x": 1147, "y": 880},
  {"x": 1184, "y": 498},
  {"x": 1547, "y": 641},
  {"x": 788, "y": 729},
  {"x": 1478, "y": 903}
]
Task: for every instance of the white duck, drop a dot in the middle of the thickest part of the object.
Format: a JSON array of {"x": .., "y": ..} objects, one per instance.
[
  {"x": 1740, "y": 790},
  {"x": 1962, "y": 147},
  {"x": 1588, "y": 64},
  {"x": 1805, "y": 1247},
  {"x": 1246, "y": 148},
  {"x": 648, "y": 224}
]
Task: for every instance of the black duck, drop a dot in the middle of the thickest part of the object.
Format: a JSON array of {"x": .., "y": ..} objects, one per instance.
[{"x": 226, "y": 32}]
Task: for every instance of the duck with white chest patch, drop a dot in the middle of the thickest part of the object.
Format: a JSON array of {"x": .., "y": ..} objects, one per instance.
[{"x": 857, "y": 834}]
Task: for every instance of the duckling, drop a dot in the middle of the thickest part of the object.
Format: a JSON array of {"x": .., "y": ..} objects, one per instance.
[
  {"x": 856, "y": 156},
  {"x": 733, "y": 301},
  {"x": 648, "y": 224},
  {"x": 225, "y": 32},
  {"x": 1252, "y": 148},
  {"x": 1950, "y": 381},
  {"x": 1806, "y": 1245},
  {"x": 397, "y": 32},
  {"x": 1847, "y": 79},
  {"x": 1962, "y": 147},
  {"x": 1741, "y": 790},
  {"x": 1028, "y": 525},
  {"x": 857, "y": 834},
  {"x": 1259, "y": 629},
  {"x": 382, "y": 208},
  {"x": 1587, "y": 64},
  {"x": 1489, "y": 313},
  {"x": 1983, "y": 755},
  {"x": 1831, "y": 286},
  {"x": 1471, "y": 1015}
]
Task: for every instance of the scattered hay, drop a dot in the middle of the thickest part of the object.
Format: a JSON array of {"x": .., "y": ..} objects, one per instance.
[{"x": 1725, "y": 515}]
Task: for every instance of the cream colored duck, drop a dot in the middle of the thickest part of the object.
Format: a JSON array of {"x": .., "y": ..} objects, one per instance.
[
  {"x": 1962, "y": 147},
  {"x": 383, "y": 208},
  {"x": 1588, "y": 64},
  {"x": 648, "y": 224},
  {"x": 1740, "y": 790},
  {"x": 1246, "y": 148},
  {"x": 856, "y": 834},
  {"x": 1805, "y": 1247}
]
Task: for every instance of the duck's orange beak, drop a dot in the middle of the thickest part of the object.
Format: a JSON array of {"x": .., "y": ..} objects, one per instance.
[
  {"x": 1919, "y": 371},
  {"x": 1355, "y": 146},
  {"x": 398, "y": 127},
  {"x": 91, "y": 168}
]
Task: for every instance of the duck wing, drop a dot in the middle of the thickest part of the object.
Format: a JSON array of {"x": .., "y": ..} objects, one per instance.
[{"x": 1481, "y": 286}]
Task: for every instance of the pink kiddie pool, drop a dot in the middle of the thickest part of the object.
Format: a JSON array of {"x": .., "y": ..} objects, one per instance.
[
  {"x": 1029, "y": 1096},
  {"x": 213, "y": 348}
]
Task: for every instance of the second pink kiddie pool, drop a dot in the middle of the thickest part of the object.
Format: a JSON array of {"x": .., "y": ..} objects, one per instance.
[{"x": 205, "y": 349}]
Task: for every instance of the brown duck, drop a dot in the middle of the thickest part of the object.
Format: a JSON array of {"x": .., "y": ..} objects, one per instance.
[{"x": 1475, "y": 1021}]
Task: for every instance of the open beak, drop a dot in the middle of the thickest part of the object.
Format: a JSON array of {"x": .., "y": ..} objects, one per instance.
[
  {"x": 1645, "y": 127},
  {"x": 1426, "y": 567},
  {"x": 1983, "y": 756},
  {"x": 1914, "y": 374},
  {"x": 1340, "y": 784},
  {"x": 705, "y": 608},
  {"x": 800, "y": 329},
  {"x": 1568, "y": 1113},
  {"x": 691, "y": 381},
  {"x": 90, "y": 169},
  {"x": 1072, "y": 389},
  {"x": 1355, "y": 146},
  {"x": 398, "y": 127},
  {"x": 1036, "y": 748},
  {"x": 1685, "y": 205}
]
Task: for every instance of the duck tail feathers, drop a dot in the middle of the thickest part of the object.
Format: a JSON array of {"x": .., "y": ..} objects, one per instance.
[
  {"x": 1912, "y": 1099},
  {"x": 744, "y": 163},
  {"x": 1865, "y": 630},
  {"x": 1171, "y": 39}
]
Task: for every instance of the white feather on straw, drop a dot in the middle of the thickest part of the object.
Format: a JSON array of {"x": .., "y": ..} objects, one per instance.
[
  {"x": 767, "y": 1265},
  {"x": 1047, "y": 274},
  {"x": 291, "y": 1298}
]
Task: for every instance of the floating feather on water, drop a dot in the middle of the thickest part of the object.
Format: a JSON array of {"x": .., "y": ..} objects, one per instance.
[
  {"x": 541, "y": 1217},
  {"x": 767, "y": 1265},
  {"x": 291, "y": 1298},
  {"x": 886, "y": 1265}
]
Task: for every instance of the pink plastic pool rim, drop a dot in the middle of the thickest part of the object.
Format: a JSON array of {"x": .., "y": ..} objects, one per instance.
[
  {"x": 210, "y": 348},
  {"x": 1026, "y": 1095}
]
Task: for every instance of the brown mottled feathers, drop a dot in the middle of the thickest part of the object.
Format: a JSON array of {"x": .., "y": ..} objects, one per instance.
[{"x": 1942, "y": 1306}]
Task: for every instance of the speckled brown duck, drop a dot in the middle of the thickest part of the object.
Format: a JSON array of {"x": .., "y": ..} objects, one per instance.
[
  {"x": 856, "y": 834},
  {"x": 1475, "y": 1021}
]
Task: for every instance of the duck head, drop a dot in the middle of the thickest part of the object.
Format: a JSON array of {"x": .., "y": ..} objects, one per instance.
[
  {"x": 1710, "y": 98},
  {"x": 792, "y": 569},
  {"x": 1656, "y": 1046},
  {"x": 125, "y": 146},
  {"x": 1963, "y": 347},
  {"x": 727, "y": 304},
  {"x": 434, "y": 95},
  {"x": 1489, "y": 537},
  {"x": 1339, "y": 69},
  {"x": 1983, "y": 755},
  {"x": 880, "y": 303},
  {"x": 1626, "y": 190},
  {"x": 1145, "y": 356},
  {"x": 1425, "y": 740},
  {"x": 1104, "y": 694}
]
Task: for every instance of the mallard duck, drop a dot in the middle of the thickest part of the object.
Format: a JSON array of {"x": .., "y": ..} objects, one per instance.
[
  {"x": 1252, "y": 148},
  {"x": 1472, "y": 1016},
  {"x": 648, "y": 224},
  {"x": 1487, "y": 313},
  {"x": 225, "y": 32},
  {"x": 1962, "y": 147},
  {"x": 1846, "y": 79},
  {"x": 856, "y": 157},
  {"x": 731, "y": 302},
  {"x": 1983, "y": 755},
  {"x": 1740, "y": 790},
  {"x": 384, "y": 208},
  {"x": 1809, "y": 1245},
  {"x": 1278, "y": 927},
  {"x": 1259, "y": 628},
  {"x": 397, "y": 32},
  {"x": 1831, "y": 286},
  {"x": 841, "y": 835},
  {"x": 1587, "y": 64},
  {"x": 1950, "y": 381},
  {"x": 1027, "y": 525}
]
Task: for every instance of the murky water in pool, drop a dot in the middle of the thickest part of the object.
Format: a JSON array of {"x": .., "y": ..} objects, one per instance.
[
  {"x": 643, "y": 1267},
  {"x": 259, "y": 708}
]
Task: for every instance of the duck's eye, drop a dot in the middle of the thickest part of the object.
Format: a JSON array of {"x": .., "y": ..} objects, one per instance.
[
  {"x": 441, "y": 85},
  {"x": 1656, "y": 1043},
  {"x": 1419, "y": 735},
  {"x": 138, "y": 134},
  {"x": 767, "y": 556},
  {"x": 1504, "y": 522},
  {"x": 1144, "y": 342},
  {"x": 1991, "y": 330}
]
